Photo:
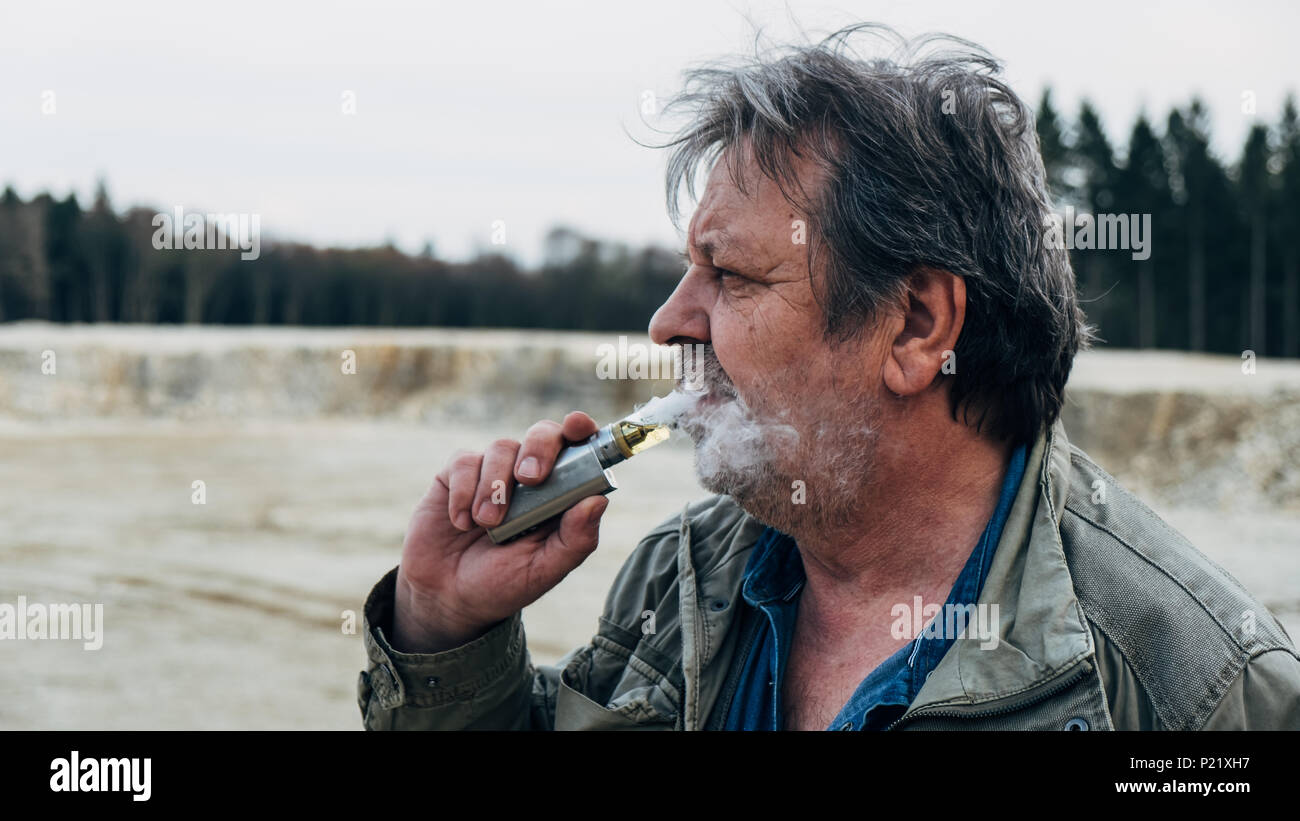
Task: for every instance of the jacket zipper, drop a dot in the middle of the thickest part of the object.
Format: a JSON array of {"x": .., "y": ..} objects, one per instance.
[{"x": 1084, "y": 669}]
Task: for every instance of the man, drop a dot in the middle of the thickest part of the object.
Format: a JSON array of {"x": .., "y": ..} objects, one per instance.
[{"x": 888, "y": 336}]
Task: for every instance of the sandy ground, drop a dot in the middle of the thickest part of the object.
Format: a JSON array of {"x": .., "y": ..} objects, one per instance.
[{"x": 229, "y": 614}]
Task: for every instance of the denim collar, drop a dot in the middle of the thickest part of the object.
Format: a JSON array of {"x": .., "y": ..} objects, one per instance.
[{"x": 774, "y": 572}]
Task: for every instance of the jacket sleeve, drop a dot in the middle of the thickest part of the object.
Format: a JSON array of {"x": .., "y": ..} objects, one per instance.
[
  {"x": 488, "y": 683},
  {"x": 1264, "y": 696}
]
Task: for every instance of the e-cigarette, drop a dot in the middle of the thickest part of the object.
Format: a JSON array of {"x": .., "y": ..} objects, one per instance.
[{"x": 582, "y": 470}]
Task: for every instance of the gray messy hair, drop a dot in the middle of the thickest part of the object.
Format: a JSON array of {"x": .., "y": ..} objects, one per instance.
[{"x": 929, "y": 161}]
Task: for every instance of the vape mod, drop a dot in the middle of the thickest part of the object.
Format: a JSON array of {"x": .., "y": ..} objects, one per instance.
[{"x": 582, "y": 470}]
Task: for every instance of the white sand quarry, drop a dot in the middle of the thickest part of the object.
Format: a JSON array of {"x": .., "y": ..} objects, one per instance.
[{"x": 229, "y": 614}]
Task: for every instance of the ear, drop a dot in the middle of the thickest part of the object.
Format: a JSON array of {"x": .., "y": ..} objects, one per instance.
[{"x": 931, "y": 322}]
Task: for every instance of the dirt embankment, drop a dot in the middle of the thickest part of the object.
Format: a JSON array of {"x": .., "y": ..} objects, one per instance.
[{"x": 1193, "y": 429}]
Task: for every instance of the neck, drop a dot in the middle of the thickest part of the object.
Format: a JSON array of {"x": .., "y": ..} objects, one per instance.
[{"x": 913, "y": 526}]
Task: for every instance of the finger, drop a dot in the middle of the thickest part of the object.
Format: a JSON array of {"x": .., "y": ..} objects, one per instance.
[
  {"x": 568, "y": 545},
  {"x": 542, "y": 443},
  {"x": 462, "y": 480},
  {"x": 578, "y": 426},
  {"x": 577, "y": 535},
  {"x": 495, "y": 482}
]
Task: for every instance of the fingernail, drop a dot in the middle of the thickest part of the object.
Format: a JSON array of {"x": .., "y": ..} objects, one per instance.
[
  {"x": 529, "y": 468},
  {"x": 487, "y": 512},
  {"x": 464, "y": 521},
  {"x": 595, "y": 514}
]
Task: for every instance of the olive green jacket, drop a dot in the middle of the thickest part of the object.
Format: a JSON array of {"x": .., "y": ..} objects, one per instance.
[{"x": 1109, "y": 619}]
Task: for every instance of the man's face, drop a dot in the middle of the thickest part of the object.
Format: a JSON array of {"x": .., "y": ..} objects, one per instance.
[{"x": 787, "y": 418}]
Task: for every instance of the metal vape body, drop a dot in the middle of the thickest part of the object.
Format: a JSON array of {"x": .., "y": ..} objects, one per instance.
[{"x": 580, "y": 471}]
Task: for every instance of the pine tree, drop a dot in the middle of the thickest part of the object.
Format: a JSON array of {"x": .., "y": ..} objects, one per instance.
[
  {"x": 1143, "y": 188},
  {"x": 1093, "y": 155},
  {"x": 1254, "y": 184},
  {"x": 1189, "y": 145},
  {"x": 1055, "y": 151},
  {"x": 1287, "y": 226}
]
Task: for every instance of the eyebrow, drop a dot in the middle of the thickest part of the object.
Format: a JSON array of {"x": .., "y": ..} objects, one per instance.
[{"x": 710, "y": 248}]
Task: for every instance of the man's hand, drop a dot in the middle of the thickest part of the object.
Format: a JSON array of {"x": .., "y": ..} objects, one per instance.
[{"x": 454, "y": 583}]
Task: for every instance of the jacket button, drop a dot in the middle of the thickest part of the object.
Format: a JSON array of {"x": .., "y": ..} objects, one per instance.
[
  {"x": 718, "y": 604},
  {"x": 432, "y": 681},
  {"x": 1076, "y": 723}
]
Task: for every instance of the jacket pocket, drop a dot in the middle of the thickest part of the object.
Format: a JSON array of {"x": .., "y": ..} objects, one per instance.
[{"x": 598, "y": 672}]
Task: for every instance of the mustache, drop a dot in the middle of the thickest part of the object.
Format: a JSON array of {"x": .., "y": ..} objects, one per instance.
[{"x": 702, "y": 372}]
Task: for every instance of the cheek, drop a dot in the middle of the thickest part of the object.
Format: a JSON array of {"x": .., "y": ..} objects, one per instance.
[
  {"x": 733, "y": 344},
  {"x": 740, "y": 351},
  {"x": 763, "y": 367},
  {"x": 773, "y": 341}
]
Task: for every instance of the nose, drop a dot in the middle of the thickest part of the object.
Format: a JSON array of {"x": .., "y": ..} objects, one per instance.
[{"x": 684, "y": 317}]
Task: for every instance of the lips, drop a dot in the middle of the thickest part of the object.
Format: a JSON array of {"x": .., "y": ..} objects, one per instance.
[
  {"x": 713, "y": 398},
  {"x": 703, "y": 414}
]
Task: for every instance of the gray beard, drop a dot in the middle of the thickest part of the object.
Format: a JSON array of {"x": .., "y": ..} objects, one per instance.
[{"x": 797, "y": 482}]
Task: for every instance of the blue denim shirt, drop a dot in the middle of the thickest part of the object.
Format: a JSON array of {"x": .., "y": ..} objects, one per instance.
[{"x": 774, "y": 576}]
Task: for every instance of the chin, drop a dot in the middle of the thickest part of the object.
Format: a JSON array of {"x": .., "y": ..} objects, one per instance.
[
  {"x": 754, "y": 487},
  {"x": 764, "y": 486}
]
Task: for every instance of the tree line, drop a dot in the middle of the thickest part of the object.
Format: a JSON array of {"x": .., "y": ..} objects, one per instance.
[
  {"x": 1223, "y": 272},
  {"x": 63, "y": 263}
]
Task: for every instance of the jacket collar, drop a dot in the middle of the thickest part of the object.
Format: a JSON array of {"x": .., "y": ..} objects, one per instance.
[{"x": 1042, "y": 632}]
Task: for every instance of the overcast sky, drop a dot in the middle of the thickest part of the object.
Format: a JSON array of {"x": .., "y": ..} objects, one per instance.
[{"x": 467, "y": 113}]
